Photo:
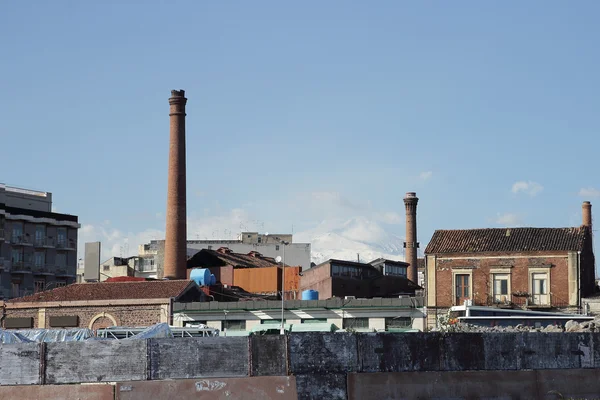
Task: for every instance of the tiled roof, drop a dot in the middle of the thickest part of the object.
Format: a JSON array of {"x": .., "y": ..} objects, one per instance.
[
  {"x": 111, "y": 291},
  {"x": 507, "y": 240}
]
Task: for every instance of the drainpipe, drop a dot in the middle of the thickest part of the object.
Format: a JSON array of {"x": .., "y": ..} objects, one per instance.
[{"x": 579, "y": 281}]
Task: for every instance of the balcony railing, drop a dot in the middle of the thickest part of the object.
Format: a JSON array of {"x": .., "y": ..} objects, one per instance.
[
  {"x": 21, "y": 266},
  {"x": 21, "y": 240},
  {"x": 1, "y": 233},
  {"x": 43, "y": 242}
]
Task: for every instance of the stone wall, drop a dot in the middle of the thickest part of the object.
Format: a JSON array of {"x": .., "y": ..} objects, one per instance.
[{"x": 322, "y": 363}]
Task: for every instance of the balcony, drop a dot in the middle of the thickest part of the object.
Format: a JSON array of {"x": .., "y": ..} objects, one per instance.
[
  {"x": 21, "y": 267},
  {"x": 4, "y": 264},
  {"x": 62, "y": 271},
  {"x": 43, "y": 269},
  {"x": 66, "y": 245},
  {"x": 43, "y": 242},
  {"x": 1, "y": 234},
  {"x": 21, "y": 241}
]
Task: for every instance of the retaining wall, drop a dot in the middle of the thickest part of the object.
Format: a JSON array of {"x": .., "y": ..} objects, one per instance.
[{"x": 322, "y": 363}]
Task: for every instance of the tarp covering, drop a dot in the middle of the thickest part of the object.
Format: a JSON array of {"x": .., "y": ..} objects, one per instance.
[
  {"x": 55, "y": 335},
  {"x": 12, "y": 337},
  {"x": 161, "y": 330}
]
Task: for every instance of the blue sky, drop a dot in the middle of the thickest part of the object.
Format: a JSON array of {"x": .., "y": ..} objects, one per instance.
[{"x": 303, "y": 112}]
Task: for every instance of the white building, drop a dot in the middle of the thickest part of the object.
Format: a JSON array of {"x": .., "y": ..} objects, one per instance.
[{"x": 361, "y": 315}]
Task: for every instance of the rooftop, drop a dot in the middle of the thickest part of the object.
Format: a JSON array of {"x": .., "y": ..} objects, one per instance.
[
  {"x": 507, "y": 240},
  {"x": 110, "y": 291},
  {"x": 215, "y": 258}
]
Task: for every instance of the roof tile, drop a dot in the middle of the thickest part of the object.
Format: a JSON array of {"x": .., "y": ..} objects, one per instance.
[
  {"x": 507, "y": 240},
  {"x": 110, "y": 291}
]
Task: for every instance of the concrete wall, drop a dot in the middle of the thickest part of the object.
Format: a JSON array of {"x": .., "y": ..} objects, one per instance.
[{"x": 330, "y": 366}]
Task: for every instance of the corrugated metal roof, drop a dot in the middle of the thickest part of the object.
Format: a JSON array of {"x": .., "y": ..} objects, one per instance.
[{"x": 507, "y": 240}]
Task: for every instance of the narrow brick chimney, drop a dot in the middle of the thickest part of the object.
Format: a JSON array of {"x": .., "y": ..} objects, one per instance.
[
  {"x": 176, "y": 233},
  {"x": 411, "y": 245},
  {"x": 586, "y": 211}
]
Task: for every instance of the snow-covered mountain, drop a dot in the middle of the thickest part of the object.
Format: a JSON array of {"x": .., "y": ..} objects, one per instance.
[{"x": 349, "y": 239}]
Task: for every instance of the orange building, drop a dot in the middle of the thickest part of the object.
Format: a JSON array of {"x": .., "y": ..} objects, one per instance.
[{"x": 251, "y": 272}]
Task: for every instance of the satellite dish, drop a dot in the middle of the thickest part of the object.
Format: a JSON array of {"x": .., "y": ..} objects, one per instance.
[{"x": 278, "y": 259}]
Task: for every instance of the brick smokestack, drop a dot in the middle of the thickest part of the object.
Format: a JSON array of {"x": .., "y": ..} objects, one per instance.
[
  {"x": 586, "y": 209},
  {"x": 176, "y": 234},
  {"x": 411, "y": 244}
]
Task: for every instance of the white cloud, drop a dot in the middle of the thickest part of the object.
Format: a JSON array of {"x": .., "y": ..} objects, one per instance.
[
  {"x": 425, "y": 175},
  {"x": 508, "y": 219},
  {"x": 589, "y": 192},
  {"x": 531, "y": 188}
]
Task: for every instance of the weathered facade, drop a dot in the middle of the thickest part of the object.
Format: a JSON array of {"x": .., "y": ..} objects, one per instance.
[
  {"x": 38, "y": 247},
  {"x": 338, "y": 278},
  {"x": 99, "y": 305},
  {"x": 525, "y": 267}
]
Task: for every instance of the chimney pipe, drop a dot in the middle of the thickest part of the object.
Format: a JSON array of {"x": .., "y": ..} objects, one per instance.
[
  {"x": 586, "y": 209},
  {"x": 411, "y": 244},
  {"x": 175, "y": 262}
]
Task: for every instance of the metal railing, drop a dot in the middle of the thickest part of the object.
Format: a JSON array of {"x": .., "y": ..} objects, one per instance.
[
  {"x": 21, "y": 266},
  {"x": 20, "y": 240},
  {"x": 1, "y": 233}
]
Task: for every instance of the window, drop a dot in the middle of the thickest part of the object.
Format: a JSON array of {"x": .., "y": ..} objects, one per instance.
[
  {"x": 277, "y": 248},
  {"x": 313, "y": 320},
  {"x": 394, "y": 270},
  {"x": 61, "y": 237},
  {"x": 355, "y": 323},
  {"x": 500, "y": 288},
  {"x": 17, "y": 232},
  {"x": 259, "y": 239},
  {"x": 235, "y": 324},
  {"x": 397, "y": 323},
  {"x": 209, "y": 247},
  {"x": 39, "y": 259},
  {"x": 40, "y": 235},
  {"x": 60, "y": 283},
  {"x": 106, "y": 267},
  {"x": 539, "y": 289},
  {"x": 461, "y": 288},
  {"x": 17, "y": 256},
  {"x": 16, "y": 288},
  {"x": 39, "y": 285}
]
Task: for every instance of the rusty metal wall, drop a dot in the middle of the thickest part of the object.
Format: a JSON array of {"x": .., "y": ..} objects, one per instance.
[
  {"x": 263, "y": 388},
  {"x": 258, "y": 280}
]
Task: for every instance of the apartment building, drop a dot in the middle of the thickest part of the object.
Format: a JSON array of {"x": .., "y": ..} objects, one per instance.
[{"x": 38, "y": 248}]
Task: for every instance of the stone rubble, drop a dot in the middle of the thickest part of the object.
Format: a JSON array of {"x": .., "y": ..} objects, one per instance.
[{"x": 570, "y": 326}]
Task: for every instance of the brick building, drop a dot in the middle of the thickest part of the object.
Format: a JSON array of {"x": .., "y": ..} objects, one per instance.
[
  {"x": 252, "y": 272},
  {"x": 525, "y": 267},
  {"x": 99, "y": 305},
  {"x": 339, "y": 278}
]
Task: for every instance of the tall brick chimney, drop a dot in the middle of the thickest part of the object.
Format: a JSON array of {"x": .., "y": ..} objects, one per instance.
[
  {"x": 411, "y": 244},
  {"x": 586, "y": 209},
  {"x": 176, "y": 235}
]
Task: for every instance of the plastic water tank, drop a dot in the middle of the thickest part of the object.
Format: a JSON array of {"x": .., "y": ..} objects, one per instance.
[
  {"x": 310, "y": 295},
  {"x": 201, "y": 276},
  {"x": 213, "y": 279}
]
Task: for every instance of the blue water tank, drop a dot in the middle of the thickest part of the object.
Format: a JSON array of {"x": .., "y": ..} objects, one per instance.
[
  {"x": 213, "y": 279},
  {"x": 310, "y": 295},
  {"x": 201, "y": 276}
]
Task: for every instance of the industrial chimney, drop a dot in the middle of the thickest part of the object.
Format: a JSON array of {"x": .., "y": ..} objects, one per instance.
[
  {"x": 411, "y": 245},
  {"x": 586, "y": 209},
  {"x": 176, "y": 233}
]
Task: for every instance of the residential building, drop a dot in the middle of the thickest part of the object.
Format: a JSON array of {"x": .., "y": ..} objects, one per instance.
[
  {"x": 38, "y": 247},
  {"x": 252, "y": 272},
  {"x": 100, "y": 305},
  {"x": 522, "y": 267},
  {"x": 297, "y": 254},
  {"x": 339, "y": 278},
  {"x": 244, "y": 317}
]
